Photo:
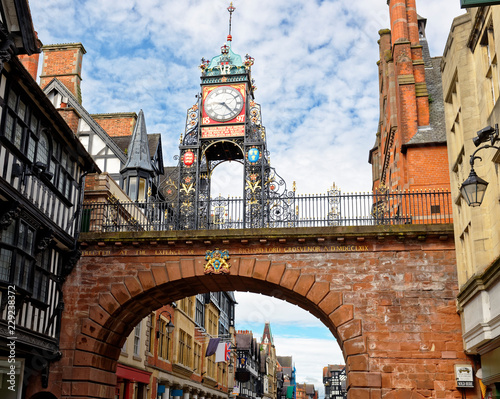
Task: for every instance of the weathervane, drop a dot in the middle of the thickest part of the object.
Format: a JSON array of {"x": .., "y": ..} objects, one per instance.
[{"x": 231, "y": 10}]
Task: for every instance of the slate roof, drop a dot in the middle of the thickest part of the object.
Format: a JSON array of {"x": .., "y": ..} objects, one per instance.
[
  {"x": 284, "y": 361},
  {"x": 139, "y": 156},
  {"x": 244, "y": 341},
  {"x": 124, "y": 141},
  {"x": 309, "y": 389},
  {"x": 435, "y": 133}
]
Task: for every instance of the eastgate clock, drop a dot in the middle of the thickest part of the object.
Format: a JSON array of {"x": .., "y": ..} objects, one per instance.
[{"x": 223, "y": 103}]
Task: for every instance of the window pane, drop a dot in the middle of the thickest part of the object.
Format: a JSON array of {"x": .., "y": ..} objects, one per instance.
[
  {"x": 31, "y": 148},
  {"x": 21, "y": 110},
  {"x": 142, "y": 189},
  {"x": 42, "y": 154},
  {"x": 33, "y": 123},
  {"x": 9, "y": 234},
  {"x": 12, "y": 100},
  {"x": 18, "y": 135},
  {"x": 133, "y": 188},
  {"x": 21, "y": 236},
  {"x": 9, "y": 125},
  {"x": 64, "y": 160},
  {"x": 5, "y": 262},
  {"x": 29, "y": 241}
]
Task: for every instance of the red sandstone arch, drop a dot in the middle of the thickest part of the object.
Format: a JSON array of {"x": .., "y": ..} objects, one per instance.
[{"x": 389, "y": 299}]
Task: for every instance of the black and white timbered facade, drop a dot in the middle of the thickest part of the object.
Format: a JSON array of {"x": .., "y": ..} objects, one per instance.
[
  {"x": 41, "y": 168},
  {"x": 134, "y": 162}
]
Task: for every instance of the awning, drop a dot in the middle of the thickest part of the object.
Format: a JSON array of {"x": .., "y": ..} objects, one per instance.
[{"x": 132, "y": 374}]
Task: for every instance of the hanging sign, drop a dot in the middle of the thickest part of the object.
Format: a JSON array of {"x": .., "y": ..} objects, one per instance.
[
  {"x": 253, "y": 155},
  {"x": 188, "y": 158},
  {"x": 478, "y": 3},
  {"x": 464, "y": 376}
]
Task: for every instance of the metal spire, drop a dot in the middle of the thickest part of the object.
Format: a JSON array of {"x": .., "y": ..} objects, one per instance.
[{"x": 231, "y": 10}]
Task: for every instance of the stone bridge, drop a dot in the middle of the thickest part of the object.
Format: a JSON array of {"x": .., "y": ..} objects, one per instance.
[{"x": 387, "y": 294}]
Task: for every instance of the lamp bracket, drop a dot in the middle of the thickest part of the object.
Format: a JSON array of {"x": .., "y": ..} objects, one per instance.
[{"x": 473, "y": 157}]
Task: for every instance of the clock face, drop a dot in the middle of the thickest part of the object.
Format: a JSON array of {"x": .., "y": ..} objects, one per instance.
[{"x": 223, "y": 103}]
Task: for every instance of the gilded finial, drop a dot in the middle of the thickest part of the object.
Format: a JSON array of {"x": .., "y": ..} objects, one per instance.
[{"x": 231, "y": 9}]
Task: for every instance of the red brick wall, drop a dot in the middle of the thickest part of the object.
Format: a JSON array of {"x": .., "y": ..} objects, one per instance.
[
  {"x": 404, "y": 107},
  {"x": 428, "y": 167},
  {"x": 117, "y": 124},
  {"x": 63, "y": 62},
  {"x": 388, "y": 297},
  {"x": 30, "y": 62},
  {"x": 71, "y": 117}
]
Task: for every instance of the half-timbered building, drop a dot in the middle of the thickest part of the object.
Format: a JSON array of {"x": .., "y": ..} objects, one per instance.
[{"x": 42, "y": 164}]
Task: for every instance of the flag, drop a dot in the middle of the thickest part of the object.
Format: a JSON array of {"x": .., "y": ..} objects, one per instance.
[
  {"x": 220, "y": 353},
  {"x": 227, "y": 352},
  {"x": 212, "y": 346},
  {"x": 223, "y": 353}
]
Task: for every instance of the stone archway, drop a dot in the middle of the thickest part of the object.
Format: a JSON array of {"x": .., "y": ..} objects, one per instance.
[{"x": 386, "y": 294}]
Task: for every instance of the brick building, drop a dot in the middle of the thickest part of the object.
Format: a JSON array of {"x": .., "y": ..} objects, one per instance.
[
  {"x": 410, "y": 149},
  {"x": 472, "y": 92}
]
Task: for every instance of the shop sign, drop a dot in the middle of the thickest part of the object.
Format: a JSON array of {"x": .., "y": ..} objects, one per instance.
[{"x": 464, "y": 376}]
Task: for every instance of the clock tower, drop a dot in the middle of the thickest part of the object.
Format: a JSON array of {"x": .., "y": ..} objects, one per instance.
[{"x": 224, "y": 125}]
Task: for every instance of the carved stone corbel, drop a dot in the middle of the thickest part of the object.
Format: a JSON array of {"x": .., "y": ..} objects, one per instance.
[{"x": 13, "y": 211}]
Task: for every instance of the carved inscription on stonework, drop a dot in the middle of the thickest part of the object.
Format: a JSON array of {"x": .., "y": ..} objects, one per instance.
[
  {"x": 305, "y": 249},
  {"x": 240, "y": 251}
]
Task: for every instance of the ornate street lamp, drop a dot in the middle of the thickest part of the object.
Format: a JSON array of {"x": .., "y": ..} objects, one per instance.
[
  {"x": 169, "y": 327},
  {"x": 474, "y": 188}
]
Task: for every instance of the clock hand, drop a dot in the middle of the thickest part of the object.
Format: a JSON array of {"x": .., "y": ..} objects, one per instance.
[{"x": 225, "y": 105}]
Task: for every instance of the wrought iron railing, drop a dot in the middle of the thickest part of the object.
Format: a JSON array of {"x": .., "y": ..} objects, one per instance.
[{"x": 330, "y": 209}]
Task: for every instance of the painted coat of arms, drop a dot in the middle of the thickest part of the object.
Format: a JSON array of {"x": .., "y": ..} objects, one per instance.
[{"x": 217, "y": 262}]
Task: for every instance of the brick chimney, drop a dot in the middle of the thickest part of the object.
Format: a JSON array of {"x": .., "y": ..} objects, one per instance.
[
  {"x": 30, "y": 62},
  {"x": 64, "y": 62},
  {"x": 409, "y": 68}
]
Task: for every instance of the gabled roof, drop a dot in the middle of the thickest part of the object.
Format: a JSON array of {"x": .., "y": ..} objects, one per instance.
[
  {"x": 284, "y": 361},
  {"x": 267, "y": 334},
  {"x": 244, "y": 341},
  {"x": 47, "y": 105},
  {"x": 20, "y": 26},
  {"x": 59, "y": 87}
]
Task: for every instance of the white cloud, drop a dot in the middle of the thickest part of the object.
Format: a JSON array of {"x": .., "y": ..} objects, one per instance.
[
  {"x": 310, "y": 356},
  {"x": 315, "y": 70}
]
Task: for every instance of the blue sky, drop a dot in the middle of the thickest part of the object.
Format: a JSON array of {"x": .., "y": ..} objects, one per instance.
[{"x": 316, "y": 74}]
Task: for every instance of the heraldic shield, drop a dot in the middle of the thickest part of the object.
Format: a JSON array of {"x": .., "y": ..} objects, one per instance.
[{"x": 217, "y": 262}]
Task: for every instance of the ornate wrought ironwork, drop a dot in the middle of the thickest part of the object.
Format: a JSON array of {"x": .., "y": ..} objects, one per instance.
[{"x": 286, "y": 209}]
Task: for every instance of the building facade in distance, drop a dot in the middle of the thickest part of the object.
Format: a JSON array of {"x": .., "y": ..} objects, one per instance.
[{"x": 335, "y": 381}]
